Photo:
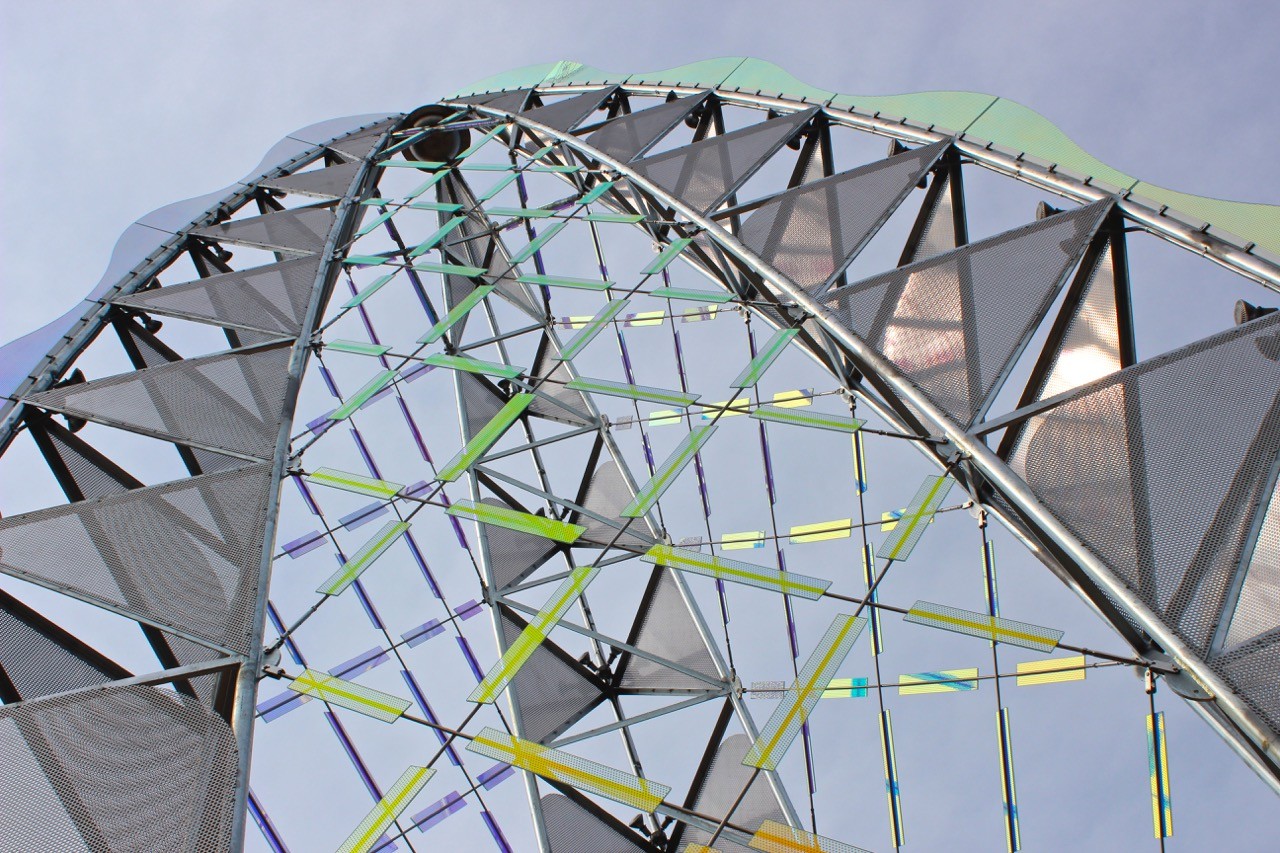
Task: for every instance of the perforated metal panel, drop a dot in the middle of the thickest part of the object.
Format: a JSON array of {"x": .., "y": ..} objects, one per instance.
[
  {"x": 358, "y": 145},
  {"x": 664, "y": 627},
  {"x": 39, "y": 658},
  {"x": 629, "y": 136},
  {"x": 331, "y": 182},
  {"x": 557, "y": 374},
  {"x": 607, "y": 495},
  {"x": 809, "y": 232},
  {"x": 725, "y": 779},
  {"x": 300, "y": 231},
  {"x": 271, "y": 299},
  {"x": 480, "y": 401},
  {"x": 183, "y": 555},
  {"x": 951, "y": 323},
  {"x": 1090, "y": 348},
  {"x": 121, "y": 768},
  {"x": 230, "y": 401},
  {"x": 551, "y": 693},
  {"x": 511, "y": 101},
  {"x": 566, "y": 114},
  {"x": 573, "y": 829},
  {"x": 513, "y": 555}
]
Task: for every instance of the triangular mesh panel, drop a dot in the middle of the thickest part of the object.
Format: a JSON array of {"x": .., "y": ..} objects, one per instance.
[
  {"x": 551, "y": 692},
  {"x": 705, "y": 173},
  {"x": 39, "y": 658},
  {"x": 330, "y": 182},
  {"x": 725, "y": 779},
  {"x": 664, "y": 627},
  {"x": 811, "y": 231},
  {"x": 953, "y": 322},
  {"x": 629, "y": 136},
  {"x": 358, "y": 146},
  {"x": 573, "y": 829},
  {"x": 939, "y": 232},
  {"x": 557, "y": 373},
  {"x": 607, "y": 495},
  {"x": 94, "y": 475},
  {"x": 1090, "y": 349},
  {"x": 1160, "y": 471},
  {"x": 125, "y": 768},
  {"x": 232, "y": 401},
  {"x": 513, "y": 555},
  {"x": 565, "y": 115},
  {"x": 271, "y": 299},
  {"x": 510, "y": 101},
  {"x": 1254, "y": 614},
  {"x": 480, "y": 402},
  {"x": 301, "y": 231},
  {"x": 182, "y": 555}
]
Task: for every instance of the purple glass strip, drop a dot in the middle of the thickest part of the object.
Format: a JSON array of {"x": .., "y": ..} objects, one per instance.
[
  {"x": 364, "y": 454},
  {"x": 294, "y": 651},
  {"x": 724, "y": 601},
  {"x": 306, "y": 496},
  {"x": 467, "y": 610},
  {"x": 702, "y": 485},
  {"x": 808, "y": 757},
  {"x": 385, "y": 392},
  {"x": 791, "y": 628},
  {"x": 361, "y": 516},
  {"x": 648, "y": 452},
  {"x": 413, "y": 429},
  {"x": 471, "y": 658},
  {"x": 438, "y": 811},
  {"x": 768, "y": 464},
  {"x": 259, "y": 815},
  {"x": 431, "y": 716},
  {"x": 328, "y": 381},
  {"x": 626, "y": 360},
  {"x": 278, "y": 706},
  {"x": 367, "y": 604},
  {"x": 495, "y": 832},
  {"x": 457, "y": 528},
  {"x": 350, "y": 749},
  {"x": 304, "y": 544},
  {"x": 416, "y": 488},
  {"x": 422, "y": 564},
  {"x": 321, "y": 425},
  {"x": 360, "y": 664},
  {"x": 495, "y": 776},
  {"x": 675, "y": 337},
  {"x": 417, "y": 636}
]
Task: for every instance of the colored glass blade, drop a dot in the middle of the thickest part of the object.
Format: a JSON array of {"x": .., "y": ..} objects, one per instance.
[
  {"x": 362, "y": 559},
  {"x": 368, "y": 290},
  {"x": 774, "y": 837},
  {"x": 498, "y": 516},
  {"x": 716, "y": 296},
  {"x": 497, "y": 679},
  {"x": 357, "y": 347},
  {"x": 742, "y": 541},
  {"x": 793, "y": 399},
  {"x": 724, "y": 569},
  {"x": 434, "y": 240},
  {"x": 942, "y": 681},
  {"x": 667, "y": 255},
  {"x": 357, "y": 483},
  {"x": 915, "y": 518},
  {"x": 358, "y": 399},
  {"x": 592, "y": 328},
  {"x": 769, "y": 353},
  {"x": 633, "y": 392},
  {"x": 595, "y": 192},
  {"x": 473, "y": 365},
  {"x": 997, "y": 628},
  {"x": 450, "y": 269},
  {"x": 397, "y": 799},
  {"x": 375, "y": 222},
  {"x": 485, "y": 437},
  {"x": 846, "y": 688},
  {"x": 348, "y": 694},
  {"x": 893, "y": 791},
  {"x": 665, "y": 475},
  {"x": 1008, "y": 789},
  {"x": 537, "y": 243},
  {"x": 821, "y": 531},
  {"x": 1158, "y": 766},
  {"x": 817, "y": 420},
  {"x": 456, "y": 313},
  {"x": 782, "y": 728},
  {"x": 566, "y": 281},
  {"x": 1051, "y": 670},
  {"x": 570, "y": 770}
]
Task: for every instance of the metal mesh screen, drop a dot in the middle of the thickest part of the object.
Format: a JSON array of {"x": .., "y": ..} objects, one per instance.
[
  {"x": 124, "y": 768},
  {"x": 331, "y": 182},
  {"x": 704, "y": 173},
  {"x": 39, "y": 658},
  {"x": 725, "y": 779},
  {"x": 480, "y": 402},
  {"x": 513, "y": 555},
  {"x": 664, "y": 627},
  {"x": 1255, "y": 611},
  {"x": 564, "y": 115},
  {"x": 1190, "y": 437},
  {"x": 551, "y": 692},
  {"x": 557, "y": 373},
  {"x": 939, "y": 234},
  {"x": 607, "y": 495},
  {"x": 510, "y": 101},
  {"x": 184, "y": 555},
  {"x": 1091, "y": 347},
  {"x": 952, "y": 323},
  {"x": 629, "y": 136},
  {"x": 573, "y": 829},
  {"x": 272, "y": 298},
  {"x": 358, "y": 145},
  {"x": 302, "y": 231},
  {"x": 90, "y": 476},
  {"x": 809, "y": 232},
  {"x": 230, "y": 401},
  {"x": 1251, "y": 669}
]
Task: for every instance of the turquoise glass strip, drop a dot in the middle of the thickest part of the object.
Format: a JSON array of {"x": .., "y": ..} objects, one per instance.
[
  {"x": 614, "y": 217},
  {"x": 368, "y": 290},
  {"x": 667, "y": 255},
  {"x": 479, "y": 143},
  {"x": 595, "y": 192},
  {"x": 450, "y": 269},
  {"x": 357, "y": 347},
  {"x": 837, "y": 423},
  {"x": 411, "y": 164},
  {"x": 358, "y": 399},
  {"x": 434, "y": 240},
  {"x": 755, "y": 369},
  {"x": 633, "y": 392},
  {"x": 520, "y": 212},
  {"x": 441, "y": 206},
  {"x": 381, "y": 218},
  {"x": 474, "y": 365},
  {"x": 669, "y": 470},
  {"x": 427, "y": 184},
  {"x": 566, "y": 281},
  {"x": 907, "y": 532},
  {"x": 362, "y": 559},
  {"x": 537, "y": 243},
  {"x": 485, "y": 438},
  {"x": 713, "y": 296},
  {"x": 594, "y": 326},
  {"x": 366, "y": 260},
  {"x": 498, "y": 187},
  {"x": 456, "y": 313}
]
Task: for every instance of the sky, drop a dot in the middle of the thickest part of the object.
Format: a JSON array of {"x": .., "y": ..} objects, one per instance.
[{"x": 111, "y": 111}]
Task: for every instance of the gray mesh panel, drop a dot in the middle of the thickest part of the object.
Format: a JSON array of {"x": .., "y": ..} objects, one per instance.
[
  {"x": 666, "y": 629},
  {"x": 809, "y": 232},
  {"x": 510, "y": 101},
  {"x": 39, "y": 659},
  {"x": 573, "y": 829},
  {"x": 551, "y": 693},
  {"x": 358, "y": 145},
  {"x": 1091, "y": 347},
  {"x": 302, "y": 231},
  {"x": 183, "y": 555},
  {"x": 725, "y": 779},
  {"x": 953, "y": 322},
  {"x": 125, "y": 768},
  {"x": 230, "y": 401},
  {"x": 514, "y": 555},
  {"x": 271, "y": 298},
  {"x": 1259, "y": 601},
  {"x": 566, "y": 114},
  {"x": 939, "y": 233},
  {"x": 607, "y": 495},
  {"x": 558, "y": 373},
  {"x": 1251, "y": 669},
  {"x": 331, "y": 182},
  {"x": 629, "y": 136},
  {"x": 1191, "y": 435},
  {"x": 704, "y": 173},
  {"x": 480, "y": 402},
  {"x": 92, "y": 480}
]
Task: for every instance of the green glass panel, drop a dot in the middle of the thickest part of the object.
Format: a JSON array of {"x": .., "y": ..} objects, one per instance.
[
  {"x": 562, "y": 170},
  {"x": 358, "y": 399},
  {"x": 450, "y": 269},
  {"x": 368, "y": 290},
  {"x": 521, "y": 212},
  {"x": 358, "y": 483},
  {"x": 479, "y": 143},
  {"x": 614, "y": 217},
  {"x": 537, "y": 243},
  {"x": 431, "y": 242},
  {"x": 442, "y": 206},
  {"x": 761, "y": 577},
  {"x": 362, "y": 559},
  {"x": 427, "y": 184},
  {"x": 488, "y": 167},
  {"x": 594, "y": 326},
  {"x": 755, "y": 369},
  {"x": 377, "y": 202},
  {"x": 411, "y": 164},
  {"x": 836, "y": 423},
  {"x": 566, "y": 281},
  {"x": 485, "y": 438},
  {"x": 713, "y": 296},
  {"x": 667, "y": 256},
  {"x": 366, "y": 260},
  {"x": 381, "y": 218},
  {"x": 633, "y": 392},
  {"x": 498, "y": 187},
  {"x": 500, "y": 516},
  {"x": 357, "y": 347},
  {"x": 595, "y": 192},
  {"x": 474, "y": 365},
  {"x": 915, "y": 518},
  {"x": 464, "y": 306},
  {"x": 667, "y": 473}
]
